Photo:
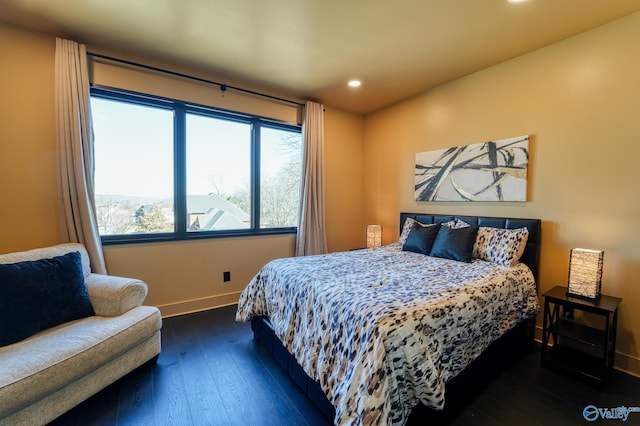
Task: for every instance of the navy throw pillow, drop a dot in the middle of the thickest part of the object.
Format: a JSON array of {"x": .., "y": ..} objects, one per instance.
[
  {"x": 455, "y": 244},
  {"x": 421, "y": 238},
  {"x": 36, "y": 295}
]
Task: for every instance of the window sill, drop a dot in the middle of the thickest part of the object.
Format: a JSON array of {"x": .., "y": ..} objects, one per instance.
[{"x": 201, "y": 235}]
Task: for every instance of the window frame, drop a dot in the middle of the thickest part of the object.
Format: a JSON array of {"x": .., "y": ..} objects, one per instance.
[{"x": 180, "y": 110}]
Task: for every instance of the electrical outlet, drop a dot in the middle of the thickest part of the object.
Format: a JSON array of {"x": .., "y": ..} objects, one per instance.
[{"x": 226, "y": 276}]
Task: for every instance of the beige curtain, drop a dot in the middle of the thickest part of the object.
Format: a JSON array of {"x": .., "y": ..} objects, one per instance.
[
  {"x": 311, "y": 238},
  {"x": 74, "y": 138}
]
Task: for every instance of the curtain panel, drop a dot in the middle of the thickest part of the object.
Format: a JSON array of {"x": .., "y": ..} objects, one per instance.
[
  {"x": 311, "y": 238},
  {"x": 74, "y": 138}
]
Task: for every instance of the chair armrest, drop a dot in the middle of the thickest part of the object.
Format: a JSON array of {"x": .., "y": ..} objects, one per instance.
[{"x": 112, "y": 296}]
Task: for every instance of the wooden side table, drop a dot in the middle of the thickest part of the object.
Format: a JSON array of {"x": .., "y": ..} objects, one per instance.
[{"x": 578, "y": 348}]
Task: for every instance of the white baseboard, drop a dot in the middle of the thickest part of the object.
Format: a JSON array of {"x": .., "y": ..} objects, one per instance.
[{"x": 201, "y": 304}]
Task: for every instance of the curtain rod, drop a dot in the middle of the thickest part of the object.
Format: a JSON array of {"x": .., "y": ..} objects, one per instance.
[{"x": 223, "y": 87}]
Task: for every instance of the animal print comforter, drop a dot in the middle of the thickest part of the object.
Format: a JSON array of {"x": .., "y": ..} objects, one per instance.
[{"x": 383, "y": 329}]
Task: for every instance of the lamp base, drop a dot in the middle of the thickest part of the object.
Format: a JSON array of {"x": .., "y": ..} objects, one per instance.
[{"x": 583, "y": 296}]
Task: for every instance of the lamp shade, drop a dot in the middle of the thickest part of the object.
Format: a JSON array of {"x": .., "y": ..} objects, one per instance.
[
  {"x": 374, "y": 236},
  {"x": 585, "y": 272}
]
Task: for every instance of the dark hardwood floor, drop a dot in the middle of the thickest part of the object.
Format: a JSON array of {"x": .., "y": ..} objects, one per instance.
[{"x": 212, "y": 372}]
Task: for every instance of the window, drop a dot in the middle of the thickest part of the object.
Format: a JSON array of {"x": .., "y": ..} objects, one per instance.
[
  {"x": 133, "y": 162},
  {"x": 218, "y": 174},
  {"x": 166, "y": 170},
  {"x": 280, "y": 172}
]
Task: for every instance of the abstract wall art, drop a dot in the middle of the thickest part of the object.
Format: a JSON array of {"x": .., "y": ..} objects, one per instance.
[{"x": 488, "y": 171}]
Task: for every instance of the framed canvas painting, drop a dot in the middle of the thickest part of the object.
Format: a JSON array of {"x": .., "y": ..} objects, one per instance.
[{"x": 488, "y": 171}]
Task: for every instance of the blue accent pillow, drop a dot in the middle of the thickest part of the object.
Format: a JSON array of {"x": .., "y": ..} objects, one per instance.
[
  {"x": 421, "y": 238},
  {"x": 455, "y": 244},
  {"x": 36, "y": 295}
]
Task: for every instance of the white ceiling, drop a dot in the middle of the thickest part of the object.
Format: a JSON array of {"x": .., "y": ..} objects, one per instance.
[{"x": 310, "y": 48}]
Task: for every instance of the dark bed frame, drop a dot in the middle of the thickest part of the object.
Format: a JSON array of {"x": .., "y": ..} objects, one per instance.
[{"x": 521, "y": 336}]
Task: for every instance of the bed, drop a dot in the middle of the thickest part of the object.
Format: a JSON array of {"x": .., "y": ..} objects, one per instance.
[{"x": 369, "y": 334}]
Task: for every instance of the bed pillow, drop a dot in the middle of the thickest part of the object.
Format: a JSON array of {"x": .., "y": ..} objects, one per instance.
[
  {"x": 456, "y": 244},
  {"x": 406, "y": 228},
  {"x": 456, "y": 224},
  {"x": 36, "y": 295},
  {"x": 501, "y": 246},
  {"x": 421, "y": 238}
]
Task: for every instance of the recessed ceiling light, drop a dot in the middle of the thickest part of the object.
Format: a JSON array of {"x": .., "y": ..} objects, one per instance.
[
  {"x": 517, "y": 1},
  {"x": 354, "y": 83}
]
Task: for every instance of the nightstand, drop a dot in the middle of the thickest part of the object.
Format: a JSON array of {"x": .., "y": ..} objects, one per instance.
[{"x": 580, "y": 349}]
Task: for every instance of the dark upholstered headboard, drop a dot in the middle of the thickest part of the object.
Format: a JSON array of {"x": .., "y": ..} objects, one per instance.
[{"x": 531, "y": 255}]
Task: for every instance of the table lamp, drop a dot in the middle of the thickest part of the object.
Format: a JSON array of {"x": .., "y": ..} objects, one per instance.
[
  {"x": 374, "y": 236},
  {"x": 585, "y": 273}
]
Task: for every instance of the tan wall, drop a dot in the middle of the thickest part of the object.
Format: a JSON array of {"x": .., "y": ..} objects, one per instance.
[
  {"x": 182, "y": 276},
  {"x": 344, "y": 180},
  {"x": 579, "y": 101},
  {"x": 104, "y": 72},
  {"x": 186, "y": 276},
  {"x": 28, "y": 191}
]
